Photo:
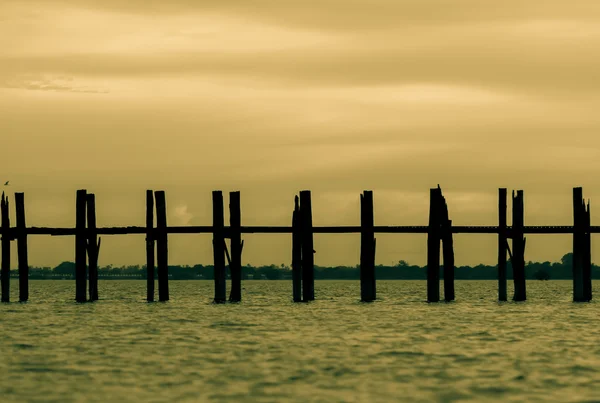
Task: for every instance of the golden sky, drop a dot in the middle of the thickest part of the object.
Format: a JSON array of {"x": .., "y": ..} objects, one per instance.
[{"x": 270, "y": 97}]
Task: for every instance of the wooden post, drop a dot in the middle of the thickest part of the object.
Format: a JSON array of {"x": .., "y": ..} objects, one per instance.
[
  {"x": 502, "y": 242},
  {"x": 433, "y": 247},
  {"x": 219, "y": 247},
  {"x": 518, "y": 250},
  {"x": 80, "y": 247},
  {"x": 587, "y": 258},
  {"x": 367, "y": 245},
  {"x": 22, "y": 248},
  {"x": 308, "y": 259},
  {"x": 447, "y": 250},
  {"x": 149, "y": 246},
  {"x": 162, "y": 247},
  {"x": 579, "y": 246},
  {"x": 235, "y": 267},
  {"x": 6, "y": 237},
  {"x": 296, "y": 252},
  {"x": 93, "y": 246}
]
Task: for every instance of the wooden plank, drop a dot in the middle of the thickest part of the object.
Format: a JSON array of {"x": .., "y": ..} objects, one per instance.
[
  {"x": 296, "y": 252},
  {"x": 433, "y": 247},
  {"x": 22, "y": 247},
  {"x": 502, "y": 206},
  {"x": 587, "y": 253},
  {"x": 518, "y": 260},
  {"x": 207, "y": 229},
  {"x": 367, "y": 255},
  {"x": 235, "y": 267},
  {"x": 93, "y": 246},
  {"x": 150, "y": 249},
  {"x": 308, "y": 258},
  {"x": 5, "y": 243},
  {"x": 162, "y": 247},
  {"x": 219, "y": 248},
  {"x": 80, "y": 247}
]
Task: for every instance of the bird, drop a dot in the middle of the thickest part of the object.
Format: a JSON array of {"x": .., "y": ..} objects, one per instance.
[{"x": 6, "y": 183}]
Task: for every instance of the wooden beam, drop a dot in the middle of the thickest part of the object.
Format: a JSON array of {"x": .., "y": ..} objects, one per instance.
[
  {"x": 433, "y": 247},
  {"x": 162, "y": 246},
  {"x": 22, "y": 247},
  {"x": 518, "y": 250},
  {"x": 93, "y": 246},
  {"x": 6, "y": 238},
  {"x": 308, "y": 258},
  {"x": 296, "y": 252},
  {"x": 502, "y": 289},
  {"x": 80, "y": 247},
  {"x": 150, "y": 248},
  {"x": 367, "y": 245},
  {"x": 235, "y": 266},
  {"x": 219, "y": 248}
]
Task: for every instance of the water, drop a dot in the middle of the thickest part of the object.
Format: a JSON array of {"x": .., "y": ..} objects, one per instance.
[{"x": 268, "y": 349}]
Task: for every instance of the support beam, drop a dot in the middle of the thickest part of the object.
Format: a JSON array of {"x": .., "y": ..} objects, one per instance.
[
  {"x": 93, "y": 247},
  {"x": 447, "y": 250},
  {"x": 502, "y": 242},
  {"x": 80, "y": 247},
  {"x": 433, "y": 247},
  {"x": 22, "y": 247},
  {"x": 367, "y": 248},
  {"x": 219, "y": 248},
  {"x": 5, "y": 269},
  {"x": 162, "y": 246},
  {"x": 235, "y": 266},
  {"x": 587, "y": 258},
  {"x": 296, "y": 252},
  {"x": 150, "y": 248},
  {"x": 518, "y": 249},
  {"x": 308, "y": 259}
]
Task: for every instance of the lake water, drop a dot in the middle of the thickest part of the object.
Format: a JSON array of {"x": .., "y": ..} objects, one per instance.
[{"x": 267, "y": 349}]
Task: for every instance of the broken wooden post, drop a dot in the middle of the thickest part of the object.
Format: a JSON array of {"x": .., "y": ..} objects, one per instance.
[
  {"x": 587, "y": 257},
  {"x": 296, "y": 252},
  {"x": 22, "y": 247},
  {"x": 162, "y": 247},
  {"x": 235, "y": 266},
  {"x": 367, "y": 245},
  {"x": 447, "y": 250},
  {"x": 581, "y": 266},
  {"x": 518, "y": 249},
  {"x": 433, "y": 247},
  {"x": 6, "y": 238},
  {"x": 219, "y": 247},
  {"x": 80, "y": 247},
  {"x": 502, "y": 242},
  {"x": 93, "y": 246},
  {"x": 149, "y": 246},
  {"x": 308, "y": 259}
]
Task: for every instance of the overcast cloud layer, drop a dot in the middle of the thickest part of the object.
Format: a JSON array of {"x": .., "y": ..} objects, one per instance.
[{"x": 271, "y": 97}]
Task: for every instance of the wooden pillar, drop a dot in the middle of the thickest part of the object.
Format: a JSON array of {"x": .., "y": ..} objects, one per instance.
[
  {"x": 6, "y": 237},
  {"x": 367, "y": 246},
  {"x": 22, "y": 247},
  {"x": 433, "y": 247},
  {"x": 447, "y": 250},
  {"x": 162, "y": 247},
  {"x": 93, "y": 247},
  {"x": 502, "y": 242},
  {"x": 80, "y": 247},
  {"x": 219, "y": 247},
  {"x": 235, "y": 266},
  {"x": 578, "y": 245},
  {"x": 587, "y": 257},
  {"x": 296, "y": 252},
  {"x": 518, "y": 250},
  {"x": 149, "y": 246},
  {"x": 308, "y": 259}
]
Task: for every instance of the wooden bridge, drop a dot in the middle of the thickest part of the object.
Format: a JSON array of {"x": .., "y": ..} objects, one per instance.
[{"x": 439, "y": 230}]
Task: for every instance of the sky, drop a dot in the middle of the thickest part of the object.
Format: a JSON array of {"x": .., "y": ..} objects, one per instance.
[{"x": 271, "y": 97}]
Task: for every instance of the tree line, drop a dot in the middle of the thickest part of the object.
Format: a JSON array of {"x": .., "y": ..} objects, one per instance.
[{"x": 400, "y": 271}]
